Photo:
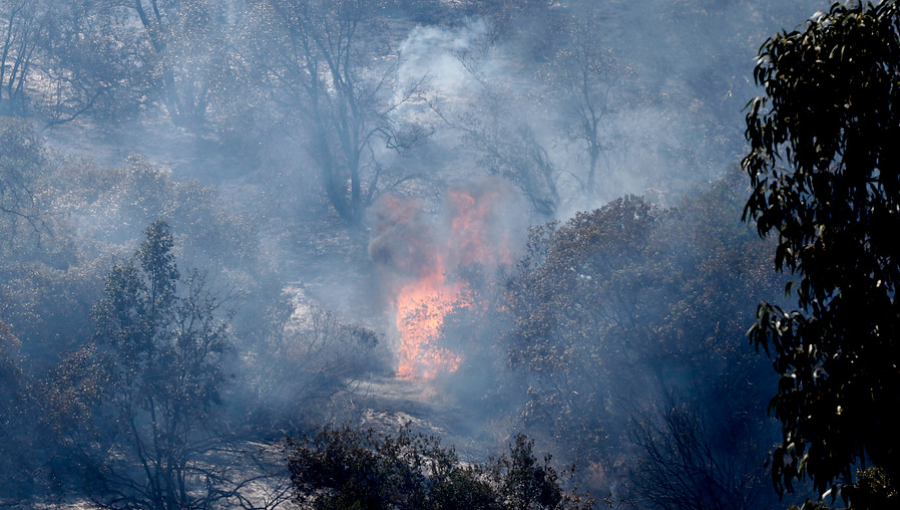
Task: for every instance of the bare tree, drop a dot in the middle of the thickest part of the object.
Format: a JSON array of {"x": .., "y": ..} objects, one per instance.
[
  {"x": 189, "y": 42},
  {"x": 682, "y": 463},
  {"x": 496, "y": 126},
  {"x": 332, "y": 68},
  {"x": 23, "y": 26},
  {"x": 582, "y": 79},
  {"x": 22, "y": 160},
  {"x": 304, "y": 361}
]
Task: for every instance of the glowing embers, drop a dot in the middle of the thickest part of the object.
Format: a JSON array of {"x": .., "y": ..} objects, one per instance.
[{"x": 422, "y": 257}]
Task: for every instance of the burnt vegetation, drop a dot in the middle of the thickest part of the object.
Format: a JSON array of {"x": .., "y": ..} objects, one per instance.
[{"x": 396, "y": 254}]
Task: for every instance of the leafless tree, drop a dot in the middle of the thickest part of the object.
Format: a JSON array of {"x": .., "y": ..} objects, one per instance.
[
  {"x": 23, "y": 26},
  {"x": 682, "y": 463},
  {"x": 304, "y": 363},
  {"x": 189, "y": 41},
  {"x": 331, "y": 66},
  {"x": 495, "y": 125},
  {"x": 582, "y": 79},
  {"x": 22, "y": 161}
]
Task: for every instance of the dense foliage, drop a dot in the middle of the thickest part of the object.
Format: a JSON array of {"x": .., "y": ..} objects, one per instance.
[
  {"x": 255, "y": 137},
  {"x": 345, "y": 468},
  {"x": 160, "y": 355},
  {"x": 628, "y": 329},
  {"x": 823, "y": 164}
]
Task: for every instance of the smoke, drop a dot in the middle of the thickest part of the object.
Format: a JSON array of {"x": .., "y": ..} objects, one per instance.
[
  {"x": 404, "y": 239},
  {"x": 445, "y": 216},
  {"x": 434, "y": 52}
]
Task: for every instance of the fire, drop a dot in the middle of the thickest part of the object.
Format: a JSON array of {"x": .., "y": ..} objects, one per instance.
[
  {"x": 421, "y": 307},
  {"x": 420, "y": 255},
  {"x": 472, "y": 235}
]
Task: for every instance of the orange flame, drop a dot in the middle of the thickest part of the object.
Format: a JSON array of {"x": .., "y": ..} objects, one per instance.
[
  {"x": 421, "y": 308},
  {"x": 424, "y": 296}
]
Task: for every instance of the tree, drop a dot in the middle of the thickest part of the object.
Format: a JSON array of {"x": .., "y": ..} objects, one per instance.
[
  {"x": 329, "y": 63},
  {"x": 345, "y": 468},
  {"x": 497, "y": 126},
  {"x": 582, "y": 75},
  {"x": 22, "y": 160},
  {"x": 187, "y": 39},
  {"x": 303, "y": 362},
  {"x": 872, "y": 491},
  {"x": 824, "y": 163},
  {"x": 91, "y": 62},
  {"x": 17, "y": 423},
  {"x": 615, "y": 311},
  {"x": 23, "y": 26},
  {"x": 161, "y": 353},
  {"x": 580, "y": 305},
  {"x": 58, "y": 61},
  {"x": 703, "y": 462}
]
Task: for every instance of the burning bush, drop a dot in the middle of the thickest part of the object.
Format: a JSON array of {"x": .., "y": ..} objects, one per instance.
[{"x": 424, "y": 258}]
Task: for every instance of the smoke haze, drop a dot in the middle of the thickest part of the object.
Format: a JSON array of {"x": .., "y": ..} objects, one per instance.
[{"x": 483, "y": 218}]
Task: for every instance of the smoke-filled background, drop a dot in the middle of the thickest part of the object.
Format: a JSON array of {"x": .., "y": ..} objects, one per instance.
[{"x": 480, "y": 218}]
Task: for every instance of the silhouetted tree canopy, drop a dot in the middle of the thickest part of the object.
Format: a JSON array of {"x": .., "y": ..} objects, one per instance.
[
  {"x": 342, "y": 468},
  {"x": 161, "y": 352},
  {"x": 823, "y": 164}
]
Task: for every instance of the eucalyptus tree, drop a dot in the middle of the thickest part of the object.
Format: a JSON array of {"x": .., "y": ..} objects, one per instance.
[{"x": 823, "y": 164}]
